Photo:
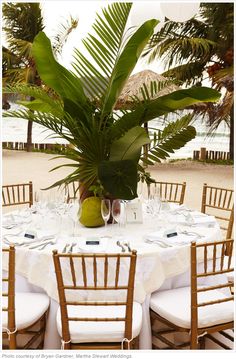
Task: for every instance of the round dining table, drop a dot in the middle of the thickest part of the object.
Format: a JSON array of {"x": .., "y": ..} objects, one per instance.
[{"x": 162, "y": 241}]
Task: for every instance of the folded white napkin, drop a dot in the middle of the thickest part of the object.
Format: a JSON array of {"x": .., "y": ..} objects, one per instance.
[
  {"x": 159, "y": 237},
  {"x": 191, "y": 218},
  {"x": 92, "y": 248},
  {"x": 19, "y": 239},
  {"x": 175, "y": 208},
  {"x": 203, "y": 219}
]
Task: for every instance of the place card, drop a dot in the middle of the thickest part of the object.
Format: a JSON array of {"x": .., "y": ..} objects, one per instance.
[{"x": 134, "y": 212}]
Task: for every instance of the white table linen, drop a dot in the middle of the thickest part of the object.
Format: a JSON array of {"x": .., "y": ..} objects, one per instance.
[{"x": 157, "y": 267}]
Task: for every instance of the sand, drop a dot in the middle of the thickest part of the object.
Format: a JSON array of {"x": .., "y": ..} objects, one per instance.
[{"x": 20, "y": 167}]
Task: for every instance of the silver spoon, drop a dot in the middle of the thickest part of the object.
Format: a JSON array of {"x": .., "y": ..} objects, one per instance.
[
  {"x": 65, "y": 248},
  {"x": 127, "y": 244},
  {"x": 45, "y": 245},
  {"x": 70, "y": 250},
  {"x": 121, "y": 246}
]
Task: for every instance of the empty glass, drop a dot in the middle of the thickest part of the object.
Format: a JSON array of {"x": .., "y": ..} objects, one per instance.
[
  {"x": 73, "y": 209},
  {"x": 106, "y": 210},
  {"x": 118, "y": 214},
  {"x": 140, "y": 190}
]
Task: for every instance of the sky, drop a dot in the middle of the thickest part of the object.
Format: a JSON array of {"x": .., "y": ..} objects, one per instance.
[
  {"x": 86, "y": 12},
  {"x": 57, "y": 12}
]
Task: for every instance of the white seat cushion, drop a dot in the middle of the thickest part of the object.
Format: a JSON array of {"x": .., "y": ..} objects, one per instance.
[
  {"x": 87, "y": 332},
  {"x": 175, "y": 306},
  {"x": 29, "y": 308}
]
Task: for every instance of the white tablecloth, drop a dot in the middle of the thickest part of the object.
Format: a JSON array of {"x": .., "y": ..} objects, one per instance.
[{"x": 157, "y": 268}]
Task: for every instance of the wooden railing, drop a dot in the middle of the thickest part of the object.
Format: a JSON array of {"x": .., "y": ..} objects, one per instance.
[
  {"x": 203, "y": 154},
  {"x": 36, "y": 146}
]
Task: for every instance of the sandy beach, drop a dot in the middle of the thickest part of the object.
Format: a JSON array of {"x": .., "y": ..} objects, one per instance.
[{"x": 20, "y": 167}]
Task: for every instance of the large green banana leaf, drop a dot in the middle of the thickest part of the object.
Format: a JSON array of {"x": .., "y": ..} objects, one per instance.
[
  {"x": 129, "y": 146},
  {"x": 55, "y": 75},
  {"x": 125, "y": 64},
  {"x": 161, "y": 106},
  {"x": 119, "y": 178}
]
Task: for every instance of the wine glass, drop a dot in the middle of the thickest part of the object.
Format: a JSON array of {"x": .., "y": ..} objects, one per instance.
[
  {"x": 140, "y": 190},
  {"x": 116, "y": 211},
  {"x": 105, "y": 210},
  {"x": 73, "y": 210}
]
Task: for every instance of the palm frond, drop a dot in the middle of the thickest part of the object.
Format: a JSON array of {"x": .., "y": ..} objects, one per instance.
[
  {"x": 54, "y": 104},
  {"x": 174, "y": 136},
  {"x": 189, "y": 73},
  {"x": 63, "y": 33},
  {"x": 104, "y": 47},
  {"x": 22, "y": 21}
]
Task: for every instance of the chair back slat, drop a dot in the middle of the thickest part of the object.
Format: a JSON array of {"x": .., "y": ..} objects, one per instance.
[
  {"x": 105, "y": 271},
  {"x": 17, "y": 194},
  {"x": 214, "y": 258},
  {"x": 95, "y": 271},
  {"x": 117, "y": 270},
  {"x": 87, "y": 269},
  {"x": 84, "y": 272},
  {"x": 72, "y": 271},
  {"x": 205, "y": 259}
]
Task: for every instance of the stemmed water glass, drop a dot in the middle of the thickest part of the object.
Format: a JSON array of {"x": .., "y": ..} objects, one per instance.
[
  {"x": 105, "y": 210},
  {"x": 140, "y": 190},
  {"x": 74, "y": 206}
]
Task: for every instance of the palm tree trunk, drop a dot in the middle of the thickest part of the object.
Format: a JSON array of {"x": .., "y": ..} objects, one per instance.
[
  {"x": 29, "y": 133},
  {"x": 29, "y": 136},
  {"x": 231, "y": 138}
]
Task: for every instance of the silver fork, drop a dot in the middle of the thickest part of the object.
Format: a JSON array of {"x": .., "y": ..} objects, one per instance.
[
  {"x": 187, "y": 233},
  {"x": 70, "y": 250},
  {"x": 121, "y": 246},
  {"x": 127, "y": 244},
  {"x": 45, "y": 245},
  {"x": 67, "y": 246}
]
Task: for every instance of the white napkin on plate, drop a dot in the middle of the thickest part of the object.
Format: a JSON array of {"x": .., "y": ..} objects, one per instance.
[
  {"x": 40, "y": 235},
  {"x": 159, "y": 237},
  {"x": 201, "y": 218},
  {"x": 92, "y": 248}
]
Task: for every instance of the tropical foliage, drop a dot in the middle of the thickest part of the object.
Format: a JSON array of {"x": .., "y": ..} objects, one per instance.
[
  {"x": 22, "y": 22},
  {"x": 198, "y": 49},
  {"x": 107, "y": 144}
]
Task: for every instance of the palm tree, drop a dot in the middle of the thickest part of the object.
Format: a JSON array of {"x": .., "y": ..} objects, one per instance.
[
  {"x": 198, "y": 49},
  {"x": 22, "y": 22},
  {"x": 106, "y": 143}
]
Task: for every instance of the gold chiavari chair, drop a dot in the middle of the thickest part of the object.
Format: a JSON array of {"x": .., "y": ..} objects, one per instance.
[
  {"x": 170, "y": 191},
  {"x": 201, "y": 309},
  {"x": 220, "y": 203},
  {"x": 23, "y": 314},
  {"x": 98, "y": 322},
  {"x": 17, "y": 194}
]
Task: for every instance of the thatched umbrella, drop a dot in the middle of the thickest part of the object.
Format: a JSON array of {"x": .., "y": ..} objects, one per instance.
[{"x": 135, "y": 85}]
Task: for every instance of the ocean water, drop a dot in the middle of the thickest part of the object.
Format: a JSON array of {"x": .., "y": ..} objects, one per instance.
[{"x": 15, "y": 130}]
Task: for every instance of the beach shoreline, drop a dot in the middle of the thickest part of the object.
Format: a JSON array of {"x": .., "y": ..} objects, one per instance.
[{"x": 21, "y": 167}]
